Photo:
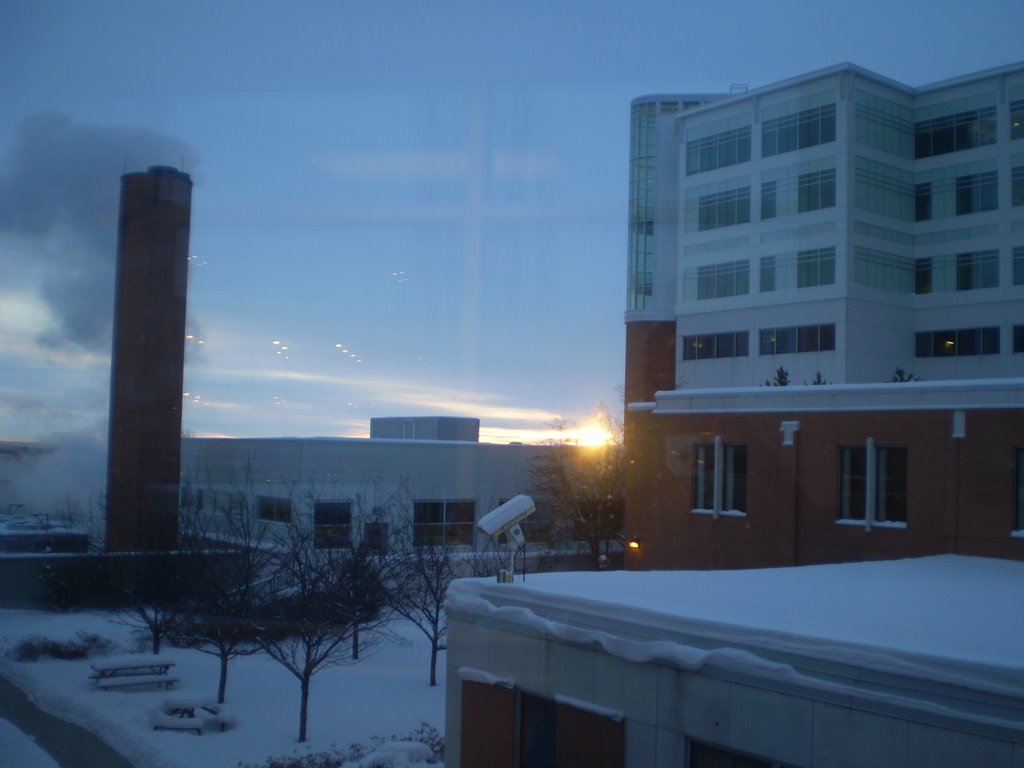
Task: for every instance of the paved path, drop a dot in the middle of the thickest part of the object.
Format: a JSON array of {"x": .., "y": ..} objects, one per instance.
[{"x": 70, "y": 745}]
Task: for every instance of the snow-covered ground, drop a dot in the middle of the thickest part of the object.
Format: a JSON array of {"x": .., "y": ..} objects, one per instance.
[{"x": 386, "y": 693}]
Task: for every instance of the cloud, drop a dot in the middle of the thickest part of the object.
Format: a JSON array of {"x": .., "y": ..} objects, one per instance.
[
  {"x": 446, "y": 400},
  {"x": 59, "y": 189}
]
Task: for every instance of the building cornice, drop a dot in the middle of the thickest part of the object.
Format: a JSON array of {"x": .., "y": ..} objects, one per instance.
[{"x": 903, "y": 396}]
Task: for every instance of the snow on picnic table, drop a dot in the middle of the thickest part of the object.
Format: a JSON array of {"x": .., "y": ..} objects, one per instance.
[{"x": 386, "y": 693}]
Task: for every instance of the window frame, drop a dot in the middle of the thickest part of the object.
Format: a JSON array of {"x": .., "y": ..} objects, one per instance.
[
  {"x": 451, "y": 522},
  {"x": 731, "y": 497},
  {"x": 335, "y": 533},
  {"x": 274, "y": 509},
  {"x": 890, "y": 505}
]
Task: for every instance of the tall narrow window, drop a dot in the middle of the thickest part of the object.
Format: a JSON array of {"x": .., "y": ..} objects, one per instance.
[
  {"x": 1017, "y": 120},
  {"x": 767, "y": 274},
  {"x": 769, "y": 193},
  {"x": 724, "y": 488},
  {"x": 923, "y": 201},
  {"x": 536, "y": 731},
  {"x": 1018, "y": 522}
]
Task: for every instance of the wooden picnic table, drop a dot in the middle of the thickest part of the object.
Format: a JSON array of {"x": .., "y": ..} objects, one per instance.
[{"x": 135, "y": 669}]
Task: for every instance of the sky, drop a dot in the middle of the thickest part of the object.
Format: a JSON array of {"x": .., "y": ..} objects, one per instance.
[{"x": 424, "y": 202}]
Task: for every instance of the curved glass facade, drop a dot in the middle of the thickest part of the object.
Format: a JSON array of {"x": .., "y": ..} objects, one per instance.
[{"x": 641, "y": 205}]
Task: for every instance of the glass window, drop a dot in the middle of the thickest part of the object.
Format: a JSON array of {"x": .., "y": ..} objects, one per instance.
[
  {"x": 1018, "y": 338},
  {"x": 977, "y": 270},
  {"x": 816, "y": 190},
  {"x": 441, "y": 523},
  {"x": 332, "y": 522},
  {"x": 977, "y": 192},
  {"x": 733, "y": 492},
  {"x": 1018, "y": 512},
  {"x": 958, "y": 343},
  {"x": 922, "y": 276},
  {"x": 724, "y": 209},
  {"x": 804, "y": 338},
  {"x": 1017, "y": 186},
  {"x": 953, "y": 133},
  {"x": 767, "y": 274},
  {"x": 816, "y": 267},
  {"x": 710, "y": 346},
  {"x": 890, "y": 480},
  {"x": 923, "y": 201},
  {"x": 769, "y": 192},
  {"x": 537, "y": 717},
  {"x": 1018, "y": 265},
  {"x": 274, "y": 509},
  {"x": 798, "y": 130},
  {"x": 1017, "y": 120},
  {"x": 716, "y": 281},
  {"x": 718, "y": 151}
]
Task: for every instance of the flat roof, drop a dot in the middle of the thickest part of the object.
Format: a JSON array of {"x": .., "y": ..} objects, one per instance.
[{"x": 942, "y": 632}]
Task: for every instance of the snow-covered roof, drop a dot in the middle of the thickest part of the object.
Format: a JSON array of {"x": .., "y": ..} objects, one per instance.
[
  {"x": 901, "y": 396},
  {"x": 946, "y": 621}
]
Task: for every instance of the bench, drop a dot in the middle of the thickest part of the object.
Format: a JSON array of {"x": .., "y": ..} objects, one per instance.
[
  {"x": 128, "y": 671},
  {"x": 132, "y": 679}
]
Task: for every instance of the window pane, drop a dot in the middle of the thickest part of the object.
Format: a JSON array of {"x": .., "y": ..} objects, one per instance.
[
  {"x": 852, "y": 482},
  {"x": 891, "y": 484},
  {"x": 827, "y": 338}
]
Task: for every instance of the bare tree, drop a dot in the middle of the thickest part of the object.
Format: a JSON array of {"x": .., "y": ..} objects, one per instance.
[
  {"x": 231, "y": 559},
  {"x": 155, "y": 587},
  {"x": 586, "y": 485},
  {"x": 420, "y": 574},
  {"x": 308, "y": 625}
]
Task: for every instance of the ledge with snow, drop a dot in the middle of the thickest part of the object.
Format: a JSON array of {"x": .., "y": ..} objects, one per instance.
[{"x": 914, "y": 662}]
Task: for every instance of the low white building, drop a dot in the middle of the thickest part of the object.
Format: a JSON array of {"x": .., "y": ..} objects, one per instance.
[
  {"x": 427, "y": 473},
  {"x": 899, "y": 663}
]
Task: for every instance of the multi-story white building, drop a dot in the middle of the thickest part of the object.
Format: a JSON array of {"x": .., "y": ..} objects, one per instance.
[{"x": 837, "y": 222}]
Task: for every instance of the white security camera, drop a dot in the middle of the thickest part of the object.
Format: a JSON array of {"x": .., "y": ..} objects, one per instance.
[{"x": 507, "y": 517}]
